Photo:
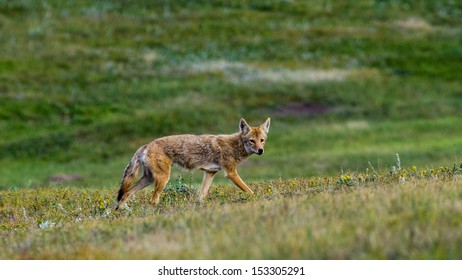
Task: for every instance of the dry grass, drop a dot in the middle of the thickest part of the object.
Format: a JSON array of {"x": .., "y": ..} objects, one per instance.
[
  {"x": 244, "y": 73},
  {"x": 410, "y": 214}
]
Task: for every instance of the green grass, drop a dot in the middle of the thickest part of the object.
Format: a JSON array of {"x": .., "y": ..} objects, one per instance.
[
  {"x": 84, "y": 83},
  {"x": 408, "y": 214}
]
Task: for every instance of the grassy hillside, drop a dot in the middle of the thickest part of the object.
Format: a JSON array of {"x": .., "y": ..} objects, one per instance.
[
  {"x": 410, "y": 214},
  {"x": 84, "y": 83}
]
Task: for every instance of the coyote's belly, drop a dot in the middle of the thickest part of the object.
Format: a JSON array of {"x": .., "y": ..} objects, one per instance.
[{"x": 210, "y": 167}]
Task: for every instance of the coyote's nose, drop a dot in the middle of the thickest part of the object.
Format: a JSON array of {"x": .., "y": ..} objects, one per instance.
[{"x": 260, "y": 151}]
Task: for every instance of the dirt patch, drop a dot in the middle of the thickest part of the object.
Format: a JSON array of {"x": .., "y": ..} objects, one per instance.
[
  {"x": 63, "y": 178},
  {"x": 306, "y": 109}
]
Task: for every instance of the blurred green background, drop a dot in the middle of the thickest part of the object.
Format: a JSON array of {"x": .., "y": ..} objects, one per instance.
[{"x": 347, "y": 84}]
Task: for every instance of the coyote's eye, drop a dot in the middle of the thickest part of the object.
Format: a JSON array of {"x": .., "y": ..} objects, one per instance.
[
  {"x": 262, "y": 140},
  {"x": 252, "y": 141}
]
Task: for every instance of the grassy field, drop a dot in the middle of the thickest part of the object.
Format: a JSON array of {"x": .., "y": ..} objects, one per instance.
[
  {"x": 348, "y": 85},
  {"x": 409, "y": 214}
]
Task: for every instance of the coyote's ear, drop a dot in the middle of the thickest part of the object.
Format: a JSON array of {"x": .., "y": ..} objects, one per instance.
[
  {"x": 266, "y": 125},
  {"x": 244, "y": 127}
]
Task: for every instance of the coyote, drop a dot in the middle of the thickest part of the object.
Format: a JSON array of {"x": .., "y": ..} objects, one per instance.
[{"x": 210, "y": 153}]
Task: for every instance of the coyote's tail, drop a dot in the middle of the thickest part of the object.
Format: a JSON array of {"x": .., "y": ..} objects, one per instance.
[{"x": 129, "y": 174}]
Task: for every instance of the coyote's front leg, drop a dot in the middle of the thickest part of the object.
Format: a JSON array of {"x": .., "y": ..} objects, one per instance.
[
  {"x": 234, "y": 177},
  {"x": 208, "y": 177}
]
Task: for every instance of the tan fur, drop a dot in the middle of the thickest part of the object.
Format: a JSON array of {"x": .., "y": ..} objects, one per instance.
[{"x": 210, "y": 153}]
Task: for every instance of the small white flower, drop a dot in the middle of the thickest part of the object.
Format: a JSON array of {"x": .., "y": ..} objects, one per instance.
[
  {"x": 60, "y": 206},
  {"x": 46, "y": 224}
]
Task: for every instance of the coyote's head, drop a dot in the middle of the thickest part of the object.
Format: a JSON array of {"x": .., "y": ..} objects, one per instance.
[{"x": 254, "y": 138}]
